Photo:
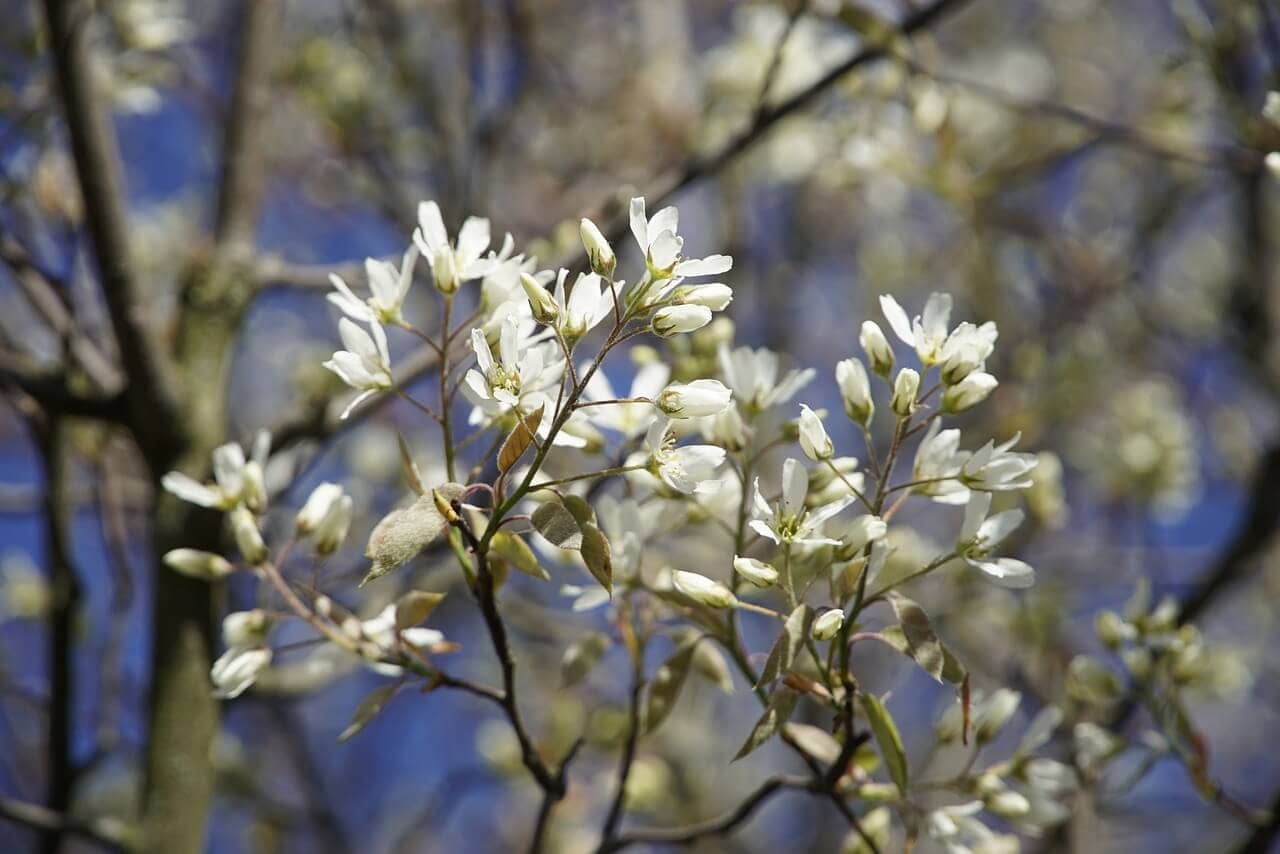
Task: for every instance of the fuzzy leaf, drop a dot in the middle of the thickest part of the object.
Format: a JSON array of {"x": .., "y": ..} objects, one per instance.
[
  {"x": 517, "y": 553},
  {"x": 553, "y": 521},
  {"x": 887, "y": 739},
  {"x": 776, "y": 713},
  {"x": 414, "y": 607},
  {"x": 785, "y": 649},
  {"x": 519, "y": 440},
  {"x": 373, "y": 703},
  {"x": 596, "y": 554}
]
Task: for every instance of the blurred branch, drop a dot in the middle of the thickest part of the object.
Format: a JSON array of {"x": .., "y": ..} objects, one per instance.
[
  {"x": 34, "y": 816},
  {"x": 55, "y": 395}
]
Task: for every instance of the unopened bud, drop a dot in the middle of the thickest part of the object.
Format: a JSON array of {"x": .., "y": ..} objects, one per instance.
[
  {"x": 905, "y": 389},
  {"x": 599, "y": 252},
  {"x": 541, "y": 303},
  {"x": 248, "y": 538},
  {"x": 197, "y": 564},
  {"x": 828, "y": 624},
  {"x": 877, "y": 348}
]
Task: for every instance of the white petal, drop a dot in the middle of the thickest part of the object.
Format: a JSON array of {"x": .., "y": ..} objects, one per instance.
[
  {"x": 897, "y": 317},
  {"x": 974, "y": 514},
  {"x": 431, "y": 228},
  {"x": 795, "y": 484},
  {"x": 190, "y": 489},
  {"x": 712, "y": 265},
  {"x": 1007, "y": 572},
  {"x": 473, "y": 239},
  {"x": 667, "y": 219},
  {"x": 480, "y": 345},
  {"x": 639, "y": 224}
]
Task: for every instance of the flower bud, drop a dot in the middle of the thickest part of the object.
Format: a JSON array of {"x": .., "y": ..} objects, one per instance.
[
  {"x": 827, "y": 625},
  {"x": 855, "y": 390},
  {"x": 969, "y": 392},
  {"x": 757, "y": 572},
  {"x": 236, "y": 670},
  {"x": 993, "y": 713},
  {"x": 317, "y": 506},
  {"x": 905, "y": 389},
  {"x": 814, "y": 440},
  {"x": 1090, "y": 681},
  {"x": 876, "y": 346},
  {"x": 248, "y": 538},
  {"x": 727, "y": 429},
  {"x": 254, "y": 487},
  {"x": 333, "y": 528},
  {"x": 444, "y": 271},
  {"x": 206, "y": 566},
  {"x": 1137, "y": 660},
  {"x": 1112, "y": 630},
  {"x": 697, "y": 399},
  {"x": 245, "y": 628},
  {"x": 1008, "y": 804},
  {"x": 675, "y": 319},
  {"x": 714, "y": 295},
  {"x": 599, "y": 252},
  {"x": 541, "y": 303},
  {"x": 699, "y": 588}
]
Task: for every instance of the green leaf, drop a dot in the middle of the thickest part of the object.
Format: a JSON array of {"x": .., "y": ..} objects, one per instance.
[
  {"x": 580, "y": 657},
  {"x": 665, "y": 686},
  {"x": 782, "y": 703},
  {"x": 597, "y": 555},
  {"x": 581, "y": 510},
  {"x": 815, "y": 741},
  {"x": 373, "y": 703},
  {"x": 952, "y": 670},
  {"x": 923, "y": 645},
  {"x": 516, "y": 552},
  {"x": 412, "y": 476},
  {"x": 553, "y": 521},
  {"x": 519, "y": 440},
  {"x": 788, "y": 645},
  {"x": 414, "y": 607},
  {"x": 887, "y": 739}
]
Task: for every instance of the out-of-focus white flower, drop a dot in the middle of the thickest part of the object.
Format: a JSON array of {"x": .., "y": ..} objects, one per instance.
[
  {"x": 661, "y": 244},
  {"x": 757, "y": 572},
  {"x": 327, "y": 514},
  {"x": 860, "y": 532},
  {"x": 855, "y": 391},
  {"x": 696, "y": 399},
  {"x": 629, "y": 419},
  {"x": 979, "y": 537},
  {"x": 814, "y": 440},
  {"x": 995, "y": 468},
  {"x": 939, "y": 461},
  {"x": 701, "y": 589},
  {"x": 365, "y": 364},
  {"x": 599, "y": 252},
  {"x": 688, "y": 469},
  {"x": 753, "y": 376},
  {"x": 197, "y": 564},
  {"x": 1094, "y": 746},
  {"x": 237, "y": 669},
  {"x": 992, "y": 713},
  {"x": 726, "y": 429},
  {"x": 790, "y": 521},
  {"x": 451, "y": 265},
  {"x": 877, "y": 348},
  {"x": 317, "y": 506},
  {"x": 388, "y": 286},
  {"x": 906, "y": 386},
  {"x": 966, "y": 350},
  {"x": 248, "y": 538},
  {"x": 969, "y": 392},
  {"x": 827, "y": 624},
  {"x": 677, "y": 319},
  {"x": 235, "y": 478},
  {"x": 245, "y": 628}
]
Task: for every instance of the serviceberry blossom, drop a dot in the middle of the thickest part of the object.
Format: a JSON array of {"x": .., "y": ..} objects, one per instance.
[
  {"x": 696, "y": 399},
  {"x": 388, "y": 286},
  {"x": 994, "y": 468},
  {"x": 661, "y": 244},
  {"x": 927, "y": 333},
  {"x": 589, "y": 301},
  {"x": 814, "y": 440},
  {"x": 236, "y": 479},
  {"x": 452, "y": 264},
  {"x": 688, "y": 469},
  {"x": 753, "y": 377},
  {"x": 979, "y": 537},
  {"x": 365, "y": 364},
  {"x": 938, "y": 464},
  {"x": 520, "y": 373},
  {"x": 789, "y": 521}
]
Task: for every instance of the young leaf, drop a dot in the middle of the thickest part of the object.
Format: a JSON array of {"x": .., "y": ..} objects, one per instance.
[
  {"x": 519, "y": 440},
  {"x": 516, "y": 552},
  {"x": 815, "y": 741},
  {"x": 596, "y": 554},
  {"x": 414, "y": 607},
  {"x": 923, "y": 645},
  {"x": 369, "y": 707},
  {"x": 781, "y": 703},
  {"x": 887, "y": 739},
  {"x": 412, "y": 476},
  {"x": 952, "y": 670},
  {"x": 664, "y": 687},
  {"x": 580, "y": 657},
  {"x": 784, "y": 651},
  {"x": 581, "y": 510},
  {"x": 557, "y": 524}
]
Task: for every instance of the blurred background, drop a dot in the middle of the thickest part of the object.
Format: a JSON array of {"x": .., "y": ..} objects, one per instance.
[{"x": 1090, "y": 175}]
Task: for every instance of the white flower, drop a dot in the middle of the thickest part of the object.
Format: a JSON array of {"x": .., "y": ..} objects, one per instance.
[
  {"x": 994, "y": 468},
  {"x": 940, "y": 460},
  {"x": 979, "y": 537},
  {"x": 236, "y": 669},
  {"x": 500, "y": 283},
  {"x": 966, "y": 350},
  {"x": 689, "y": 469},
  {"x": 855, "y": 391},
  {"x": 814, "y": 440},
  {"x": 877, "y": 348},
  {"x": 365, "y": 364},
  {"x": 969, "y": 392},
  {"x": 587, "y": 303},
  {"x": 757, "y": 572},
  {"x": 790, "y": 521},
  {"x": 863, "y": 530},
  {"x": 753, "y": 376},
  {"x": 235, "y": 478},
  {"x": 726, "y": 429},
  {"x": 993, "y": 712},
  {"x": 197, "y": 564},
  {"x": 697, "y": 399},
  {"x": 599, "y": 252},
  {"x": 496, "y": 385},
  {"x": 827, "y": 625},
  {"x": 245, "y": 628},
  {"x": 699, "y": 588},
  {"x": 905, "y": 389},
  {"x": 451, "y": 265},
  {"x": 713, "y": 295},
  {"x": 928, "y": 333},
  {"x": 629, "y": 419},
  {"x": 676, "y": 319},
  {"x": 388, "y": 285},
  {"x": 318, "y": 504},
  {"x": 333, "y": 524},
  {"x": 659, "y": 241}
]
